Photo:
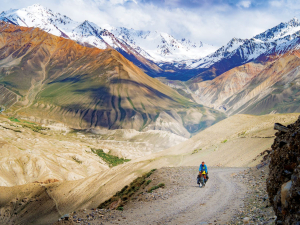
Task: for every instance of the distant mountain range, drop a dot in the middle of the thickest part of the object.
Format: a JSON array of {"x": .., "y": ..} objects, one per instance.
[
  {"x": 273, "y": 42},
  {"x": 159, "y": 53},
  {"x": 231, "y": 79},
  {"x": 278, "y": 39},
  {"x": 149, "y": 50}
]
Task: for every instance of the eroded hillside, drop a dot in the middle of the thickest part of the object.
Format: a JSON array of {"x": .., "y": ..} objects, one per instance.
[
  {"x": 235, "y": 142},
  {"x": 254, "y": 88},
  {"x": 56, "y": 79},
  {"x": 33, "y": 152}
]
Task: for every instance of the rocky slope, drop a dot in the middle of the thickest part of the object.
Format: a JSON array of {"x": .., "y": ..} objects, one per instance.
[
  {"x": 256, "y": 208},
  {"x": 214, "y": 93},
  {"x": 57, "y": 79},
  {"x": 284, "y": 177},
  {"x": 254, "y": 88},
  {"x": 31, "y": 152}
]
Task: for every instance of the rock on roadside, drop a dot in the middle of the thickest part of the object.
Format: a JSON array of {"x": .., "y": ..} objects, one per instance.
[{"x": 283, "y": 184}]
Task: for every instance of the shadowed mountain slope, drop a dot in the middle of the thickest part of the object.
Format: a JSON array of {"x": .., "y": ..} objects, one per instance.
[{"x": 57, "y": 79}]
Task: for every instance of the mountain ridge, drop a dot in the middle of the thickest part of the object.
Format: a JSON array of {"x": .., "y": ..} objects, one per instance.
[
  {"x": 58, "y": 79},
  {"x": 281, "y": 39},
  {"x": 163, "y": 47},
  {"x": 159, "y": 54}
]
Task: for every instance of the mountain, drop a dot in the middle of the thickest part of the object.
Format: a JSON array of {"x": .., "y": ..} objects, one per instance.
[
  {"x": 85, "y": 33},
  {"x": 50, "y": 78},
  {"x": 160, "y": 54},
  {"x": 254, "y": 88},
  {"x": 266, "y": 46},
  {"x": 148, "y": 50},
  {"x": 214, "y": 93},
  {"x": 161, "y": 47}
]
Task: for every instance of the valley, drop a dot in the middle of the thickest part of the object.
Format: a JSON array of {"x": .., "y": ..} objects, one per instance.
[
  {"x": 58, "y": 80},
  {"x": 86, "y": 111},
  {"x": 246, "y": 137}
]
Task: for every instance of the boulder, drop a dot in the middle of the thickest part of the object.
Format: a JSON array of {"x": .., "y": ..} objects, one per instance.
[{"x": 283, "y": 183}]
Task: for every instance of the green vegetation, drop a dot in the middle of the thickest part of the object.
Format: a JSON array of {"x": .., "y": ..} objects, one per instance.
[
  {"x": 111, "y": 160},
  {"x": 76, "y": 160},
  {"x": 131, "y": 103},
  {"x": 128, "y": 191},
  {"x": 148, "y": 182},
  {"x": 120, "y": 208},
  {"x": 242, "y": 134},
  {"x": 156, "y": 116},
  {"x": 13, "y": 119},
  {"x": 224, "y": 141},
  {"x": 34, "y": 127},
  {"x": 196, "y": 151},
  {"x": 160, "y": 185},
  {"x": 123, "y": 112}
]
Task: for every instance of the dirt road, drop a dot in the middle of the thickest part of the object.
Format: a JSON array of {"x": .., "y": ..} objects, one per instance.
[{"x": 182, "y": 201}]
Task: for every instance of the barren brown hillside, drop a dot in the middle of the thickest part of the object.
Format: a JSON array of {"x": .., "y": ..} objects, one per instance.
[
  {"x": 56, "y": 79},
  {"x": 255, "y": 88}
]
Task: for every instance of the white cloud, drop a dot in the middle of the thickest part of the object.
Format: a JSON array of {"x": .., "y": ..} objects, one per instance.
[
  {"x": 276, "y": 3},
  {"x": 245, "y": 4}
]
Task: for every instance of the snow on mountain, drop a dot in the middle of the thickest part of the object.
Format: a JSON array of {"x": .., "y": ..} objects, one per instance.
[
  {"x": 56, "y": 24},
  {"x": 222, "y": 52},
  {"x": 38, "y": 16},
  {"x": 159, "y": 46},
  {"x": 280, "y": 31},
  {"x": 155, "y": 46},
  {"x": 278, "y": 39}
]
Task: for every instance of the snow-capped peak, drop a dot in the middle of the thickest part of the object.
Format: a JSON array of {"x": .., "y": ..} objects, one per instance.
[
  {"x": 154, "y": 45},
  {"x": 160, "y": 46},
  {"x": 280, "y": 31},
  {"x": 278, "y": 39},
  {"x": 39, "y": 16},
  {"x": 294, "y": 22}
]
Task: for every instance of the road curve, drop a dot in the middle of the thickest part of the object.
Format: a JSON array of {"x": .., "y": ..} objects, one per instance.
[{"x": 214, "y": 204}]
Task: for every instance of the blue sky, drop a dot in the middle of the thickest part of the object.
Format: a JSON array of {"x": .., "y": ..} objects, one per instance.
[{"x": 210, "y": 21}]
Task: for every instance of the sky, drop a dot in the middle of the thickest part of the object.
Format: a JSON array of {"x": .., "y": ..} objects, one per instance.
[{"x": 213, "y": 22}]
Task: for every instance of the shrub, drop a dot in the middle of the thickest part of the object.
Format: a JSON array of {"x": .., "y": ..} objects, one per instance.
[
  {"x": 152, "y": 189},
  {"x": 129, "y": 190},
  {"x": 111, "y": 160},
  {"x": 34, "y": 127},
  {"x": 161, "y": 185},
  {"x": 76, "y": 160},
  {"x": 13, "y": 119},
  {"x": 196, "y": 151}
]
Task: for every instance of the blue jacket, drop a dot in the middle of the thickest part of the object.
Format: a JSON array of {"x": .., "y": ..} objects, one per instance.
[{"x": 201, "y": 168}]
